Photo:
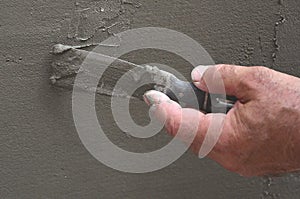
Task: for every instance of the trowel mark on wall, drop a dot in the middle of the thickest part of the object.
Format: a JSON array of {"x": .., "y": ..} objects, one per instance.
[
  {"x": 280, "y": 21},
  {"x": 95, "y": 18},
  {"x": 135, "y": 4},
  {"x": 277, "y": 24}
]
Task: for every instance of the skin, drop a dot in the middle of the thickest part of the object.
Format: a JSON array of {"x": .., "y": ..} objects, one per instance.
[{"x": 261, "y": 133}]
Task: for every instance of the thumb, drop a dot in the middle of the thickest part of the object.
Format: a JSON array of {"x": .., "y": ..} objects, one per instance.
[
  {"x": 221, "y": 78},
  {"x": 189, "y": 125}
]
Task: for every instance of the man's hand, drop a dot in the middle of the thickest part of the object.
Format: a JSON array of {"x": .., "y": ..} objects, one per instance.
[{"x": 260, "y": 134}]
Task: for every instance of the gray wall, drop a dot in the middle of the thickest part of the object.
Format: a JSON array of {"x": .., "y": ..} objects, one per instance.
[{"x": 41, "y": 153}]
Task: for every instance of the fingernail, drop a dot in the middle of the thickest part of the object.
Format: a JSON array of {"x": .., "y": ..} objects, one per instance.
[
  {"x": 155, "y": 97},
  {"x": 198, "y": 72}
]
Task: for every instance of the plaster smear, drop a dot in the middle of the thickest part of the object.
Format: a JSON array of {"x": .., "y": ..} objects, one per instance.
[
  {"x": 121, "y": 77},
  {"x": 67, "y": 64},
  {"x": 100, "y": 17}
]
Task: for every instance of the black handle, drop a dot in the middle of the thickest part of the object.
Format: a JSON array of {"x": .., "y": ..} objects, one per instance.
[{"x": 185, "y": 92}]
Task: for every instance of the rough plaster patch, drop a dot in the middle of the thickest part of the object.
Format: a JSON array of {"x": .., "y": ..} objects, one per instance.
[{"x": 100, "y": 17}]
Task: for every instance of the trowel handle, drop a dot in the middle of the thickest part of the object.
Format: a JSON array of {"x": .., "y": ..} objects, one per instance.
[
  {"x": 185, "y": 92},
  {"x": 213, "y": 103}
]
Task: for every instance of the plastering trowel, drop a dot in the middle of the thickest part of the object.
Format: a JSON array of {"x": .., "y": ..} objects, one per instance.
[{"x": 68, "y": 63}]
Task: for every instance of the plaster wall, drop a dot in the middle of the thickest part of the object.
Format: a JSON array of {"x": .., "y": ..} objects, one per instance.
[{"x": 41, "y": 155}]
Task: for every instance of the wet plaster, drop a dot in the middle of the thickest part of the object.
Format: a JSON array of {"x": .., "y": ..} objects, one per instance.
[
  {"x": 41, "y": 153},
  {"x": 67, "y": 64},
  {"x": 91, "y": 20}
]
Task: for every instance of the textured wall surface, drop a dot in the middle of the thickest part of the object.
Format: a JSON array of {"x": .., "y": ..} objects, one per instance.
[{"x": 41, "y": 155}]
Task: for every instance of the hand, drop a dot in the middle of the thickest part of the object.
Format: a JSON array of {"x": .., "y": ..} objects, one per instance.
[{"x": 260, "y": 134}]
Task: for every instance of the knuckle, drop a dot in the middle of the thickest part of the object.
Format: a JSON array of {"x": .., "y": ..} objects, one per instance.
[
  {"x": 254, "y": 78},
  {"x": 229, "y": 71},
  {"x": 219, "y": 74},
  {"x": 222, "y": 66},
  {"x": 260, "y": 74},
  {"x": 223, "y": 69}
]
